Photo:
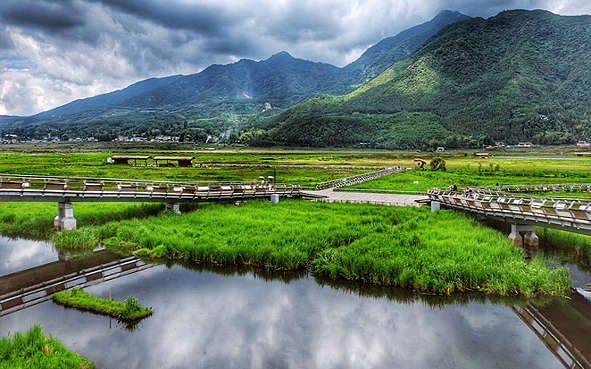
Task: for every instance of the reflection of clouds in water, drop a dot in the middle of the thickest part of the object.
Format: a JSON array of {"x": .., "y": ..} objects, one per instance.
[
  {"x": 207, "y": 320},
  {"x": 18, "y": 254}
]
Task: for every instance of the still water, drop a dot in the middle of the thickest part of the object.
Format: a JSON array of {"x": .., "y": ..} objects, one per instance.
[{"x": 206, "y": 317}]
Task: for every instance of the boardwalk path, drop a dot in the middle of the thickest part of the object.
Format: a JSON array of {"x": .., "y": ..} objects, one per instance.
[{"x": 365, "y": 197}]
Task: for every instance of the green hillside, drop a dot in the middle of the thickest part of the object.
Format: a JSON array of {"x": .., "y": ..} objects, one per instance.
[{"x": 519, "y": 76}]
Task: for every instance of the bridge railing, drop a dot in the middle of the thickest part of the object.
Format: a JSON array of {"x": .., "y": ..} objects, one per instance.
[
  {"x": 349, "y": 181},
  {"x": 29, "y": 185},
  {"x": 573, "y": 213},
  {"x": 561, "y": 187}
]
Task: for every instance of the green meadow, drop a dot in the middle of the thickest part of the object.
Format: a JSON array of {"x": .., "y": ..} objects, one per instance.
[
  {"x": 485, "y": 172},
  {"x": 305, "y": 169}
]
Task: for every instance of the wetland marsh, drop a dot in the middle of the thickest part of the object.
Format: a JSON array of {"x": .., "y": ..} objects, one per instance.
[{"x": 348, "y": 257}]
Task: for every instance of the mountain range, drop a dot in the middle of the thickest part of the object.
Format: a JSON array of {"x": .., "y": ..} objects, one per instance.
[
  {"x": 518, "y": 76},
  {"x": 455, "y": 81},
  {"x": 239, "y": 88}
]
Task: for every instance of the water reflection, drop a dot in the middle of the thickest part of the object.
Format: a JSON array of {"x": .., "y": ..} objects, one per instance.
[
  {"x": 240, "y": 319},
  {"x": 564, "y": 327},
  {"x": 207, "y": 316},
  {"x": 19, "y": 254},
  {"x": 35, "y": 285}
]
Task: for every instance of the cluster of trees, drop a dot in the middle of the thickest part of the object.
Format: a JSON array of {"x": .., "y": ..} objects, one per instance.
[{"x": 186, "y": 127}]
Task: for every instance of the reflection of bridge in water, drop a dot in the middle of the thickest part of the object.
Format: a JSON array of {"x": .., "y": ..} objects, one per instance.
[
  {"x": 32, "y": 286},
  {"x": 565, "y": 329}
]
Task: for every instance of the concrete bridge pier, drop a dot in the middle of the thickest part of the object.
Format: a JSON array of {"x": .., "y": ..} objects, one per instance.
[
  {"x": 64, "y": 221},
  {"x": 435, "y": 205},
  {"x": 530, "y": 238},
  {"x": 174, "y": 206}
]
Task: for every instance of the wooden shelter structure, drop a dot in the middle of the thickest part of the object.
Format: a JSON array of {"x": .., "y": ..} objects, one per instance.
[
  {"x": 126, "y": 159},
  {"x": 169, "y": 161}
]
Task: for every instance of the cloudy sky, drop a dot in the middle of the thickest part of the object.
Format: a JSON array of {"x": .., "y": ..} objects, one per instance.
[{"x": 56, "y": 51}]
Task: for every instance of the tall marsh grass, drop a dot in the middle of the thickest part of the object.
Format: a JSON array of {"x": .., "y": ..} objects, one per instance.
[
  {"x": 33, "y": 350},
  {"x": 571, "y": 247},
  {"x": 34, "y": 220},
  {"x": 442, "y": 252}
]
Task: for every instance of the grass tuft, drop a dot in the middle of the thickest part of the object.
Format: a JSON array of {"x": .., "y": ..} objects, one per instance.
[
  {"x": 130, "y": 310},
  {"x": 33, "y": 350}
]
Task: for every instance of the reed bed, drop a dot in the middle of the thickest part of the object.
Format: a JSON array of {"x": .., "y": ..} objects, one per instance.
[
  {"x": 33, "y": 350},
  {"x": 442, "y": 252},
  {"x": 571, "y": 247},
  {"x": 130, "y": 310}
]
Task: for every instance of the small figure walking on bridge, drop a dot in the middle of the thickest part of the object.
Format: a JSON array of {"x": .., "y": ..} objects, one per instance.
[{"x": 270, "y": 182}]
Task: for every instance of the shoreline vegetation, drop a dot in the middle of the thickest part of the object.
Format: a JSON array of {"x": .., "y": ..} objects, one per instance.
[
  {"x": 33, "y": 350},
  {"x": 443, "y": 252},
  {"x": 127, "y": 311}
]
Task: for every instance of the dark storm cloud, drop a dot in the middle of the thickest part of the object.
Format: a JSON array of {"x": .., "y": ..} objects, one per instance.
[
  {"x": 302, "y": 21},
  {"x": 55, "y": 51},
  {"x": 204, "y": 19},
  {"x": 243, "y": 46},
  {"x": 50, "y": 15},
  {"x": 5, "y": 41}
]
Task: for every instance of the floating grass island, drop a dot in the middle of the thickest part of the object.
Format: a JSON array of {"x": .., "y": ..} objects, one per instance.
[
  {"x": 443, "y": 252},
  {"x": 33, "y": 350},
  {"x": 130, "y": 310}
]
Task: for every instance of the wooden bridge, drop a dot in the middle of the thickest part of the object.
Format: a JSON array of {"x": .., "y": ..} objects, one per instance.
[
  {"x": 525, "y": 212},
  {"x": 66, "y": 190},
  {"x": 349, "y": 181}
]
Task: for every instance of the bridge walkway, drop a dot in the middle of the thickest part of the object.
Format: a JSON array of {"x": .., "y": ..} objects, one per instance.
[
  {"x": 525, "y": 212},
  {"x": 330, "y": 195},
  {"x": 66, "y": 190}
]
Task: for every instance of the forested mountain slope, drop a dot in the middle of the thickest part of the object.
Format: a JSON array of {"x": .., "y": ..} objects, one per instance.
[
  {"x": 391, "y": 50},
  {"x": 521, "y": 75}
]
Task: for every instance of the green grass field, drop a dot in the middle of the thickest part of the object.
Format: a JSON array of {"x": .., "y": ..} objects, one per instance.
[
  {"x": 95, "y": 165},
  {"x": 429, "y": 179},
  {"x": 441, "y": 252}
]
